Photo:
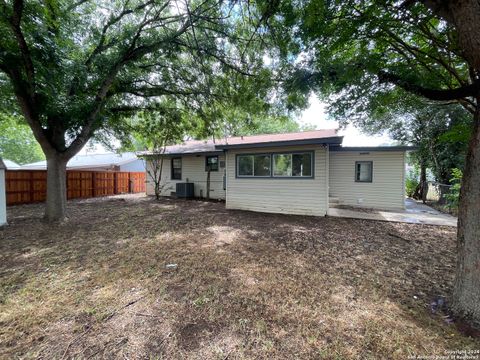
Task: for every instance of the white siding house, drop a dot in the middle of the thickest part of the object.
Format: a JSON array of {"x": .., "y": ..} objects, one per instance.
[
  {"x": 385, "y": 189},
  {"x": 3, "y": 200},
  {"x": 193, "y": 170},
  {"x": 296, "y": 173},
  {"x": 301, "y": 196}
]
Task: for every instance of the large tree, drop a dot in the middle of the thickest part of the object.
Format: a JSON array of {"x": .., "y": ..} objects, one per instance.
[
  {"x": 355, "y": 52},
  {"x": 74, "y": 68}
]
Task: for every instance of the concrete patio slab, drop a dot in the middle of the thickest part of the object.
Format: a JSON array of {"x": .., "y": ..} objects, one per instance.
[{"x": 415, "y": 213}]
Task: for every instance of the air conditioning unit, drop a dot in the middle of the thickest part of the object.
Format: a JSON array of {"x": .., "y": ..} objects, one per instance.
[{"x": 185, "y": 190}]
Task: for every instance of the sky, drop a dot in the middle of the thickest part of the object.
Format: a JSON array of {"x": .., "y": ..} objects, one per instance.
[{"x": 315, "y": 114}]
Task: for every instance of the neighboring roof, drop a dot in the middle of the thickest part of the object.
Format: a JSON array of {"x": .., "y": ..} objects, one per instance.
[
  {"x": 89, "y": 161},
  {"x": 188, "y": 147},
  {"x": 2, "y": 165},
  {"x": 10, "y": 165},
  {"x": 373, "y": 148},
  {"x": 328, "y": 136}
]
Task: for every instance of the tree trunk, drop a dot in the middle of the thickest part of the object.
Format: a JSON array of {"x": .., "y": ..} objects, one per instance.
[
  {"x": 423, "y": 182},
  {"x": 466, "y": 293},
  {"x": 56, "y": 204},
  {"x": 421, "y": 190}
]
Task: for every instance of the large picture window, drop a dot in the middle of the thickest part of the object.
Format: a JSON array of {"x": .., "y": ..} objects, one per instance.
[
  {"x": 363, "y": 171},
  {"x": 176, "y": 168},
  {"x": 253, "y": 165},
  {"x": 292, "y": 165},
  {"x": 285, "y": 165}
]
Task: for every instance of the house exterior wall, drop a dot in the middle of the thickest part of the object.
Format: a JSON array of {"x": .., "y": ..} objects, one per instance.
[
  {"x": 307, "y": 196},
  {"x": 193, "y": 169},
  {"x": 3, "y": 200},
  {"x": 387, "y": 189}
]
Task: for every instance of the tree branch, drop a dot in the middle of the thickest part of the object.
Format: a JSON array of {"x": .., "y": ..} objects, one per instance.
[
  {"x": 112, "y": 21},
  {"x": 432, "y": 94},
  {"x": 22, "y": 44}
]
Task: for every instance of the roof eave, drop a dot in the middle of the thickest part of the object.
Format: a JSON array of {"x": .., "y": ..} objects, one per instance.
[
  {"x": 373, "y": 148},
  {"x": 206, "y": 152}
]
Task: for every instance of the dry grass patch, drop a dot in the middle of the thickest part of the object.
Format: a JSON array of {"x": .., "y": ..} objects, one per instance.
[{"x": 247, "y": 285}]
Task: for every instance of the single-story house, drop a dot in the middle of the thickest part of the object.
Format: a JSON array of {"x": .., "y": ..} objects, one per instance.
[
  {"x": 295, "y": 173},
  {"x": 3, "y": 199},
  {"x": 127, "y": 161}
]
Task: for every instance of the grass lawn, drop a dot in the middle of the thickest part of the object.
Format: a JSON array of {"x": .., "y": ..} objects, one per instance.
[{"x": 247, "y": 285}]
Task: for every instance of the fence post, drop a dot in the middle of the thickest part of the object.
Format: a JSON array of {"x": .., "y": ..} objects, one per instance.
[
  {"x": 93, "y": 183},
  {"x": 31, "y": 187},
  {"x": 115, "y": 183},
  {"x": 129, "y": 182}
]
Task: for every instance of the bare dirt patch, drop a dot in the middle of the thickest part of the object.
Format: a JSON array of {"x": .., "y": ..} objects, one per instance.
[{"x": 247, "y": 285}]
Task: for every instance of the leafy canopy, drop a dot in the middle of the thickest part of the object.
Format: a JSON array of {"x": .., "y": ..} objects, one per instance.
[
  {"x": 354, "y": 53},
  {"x": 77, "y": 69}
]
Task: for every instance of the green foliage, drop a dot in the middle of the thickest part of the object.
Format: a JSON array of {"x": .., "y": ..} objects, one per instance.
[
  {"x": 85, "y": 68},
  {"x": 359, "y": 49},
  {"x": 370, "y": 62},
  {"x": 412, "y": 181},
  {"x": 454, "y": 195},
  {"x": 154, "y": 130},
  {"x": 431, "y": 128},
  {"x": 261, "y": 123},
  {"x": 17, "y": 142}
]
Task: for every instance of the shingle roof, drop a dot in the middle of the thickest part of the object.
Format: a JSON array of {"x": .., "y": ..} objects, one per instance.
[
  {"x": 87, "y": 161},
  {"x": 211, "y": 146},
  {"x": 268, "y": 138},
  {"x": 2, "y": 165}
]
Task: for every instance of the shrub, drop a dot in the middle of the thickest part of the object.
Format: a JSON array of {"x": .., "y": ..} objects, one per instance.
[
  {"x": 453, "y": 196},
  {"x": 411, "y": 182}
]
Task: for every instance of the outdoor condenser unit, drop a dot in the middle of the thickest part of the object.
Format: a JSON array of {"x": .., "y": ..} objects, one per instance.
[{"x": 185, "y": 190}]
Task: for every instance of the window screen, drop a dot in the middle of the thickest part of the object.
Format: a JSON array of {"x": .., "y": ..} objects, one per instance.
[
  {"x": 253, "y": 165},
  {"x": 211, "y": 162},
  {"x": 363, "y": 171},
  {"x": 292, "y": 165},
  {"x": 176, "y": 168}
]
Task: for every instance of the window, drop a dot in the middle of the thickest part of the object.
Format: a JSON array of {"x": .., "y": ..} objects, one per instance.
[
  {"x": 253, "y": 165},
  {"x": 176, "y": 168},
  {"x": 211, "y": 162},
  {"x": 292, "y": 165},
  {"x": 284, "y": 165},
  {"x": 363, "y": 171}
]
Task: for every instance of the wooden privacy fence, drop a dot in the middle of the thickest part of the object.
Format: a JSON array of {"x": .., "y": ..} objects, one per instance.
[{"x": 30, "y": 186}]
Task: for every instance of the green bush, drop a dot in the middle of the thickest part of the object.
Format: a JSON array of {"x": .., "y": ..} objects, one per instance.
[
  {"x": 411, "y": 182},
  {"x": 453, "y": 196}
]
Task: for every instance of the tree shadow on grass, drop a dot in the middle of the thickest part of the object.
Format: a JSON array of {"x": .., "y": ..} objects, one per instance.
[{"x": 255, "y": 284}]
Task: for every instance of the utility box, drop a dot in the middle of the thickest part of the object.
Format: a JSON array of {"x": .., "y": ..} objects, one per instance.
[
  {"x": 185, "y": 190},
  {"x": 3, "y": 198}
]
